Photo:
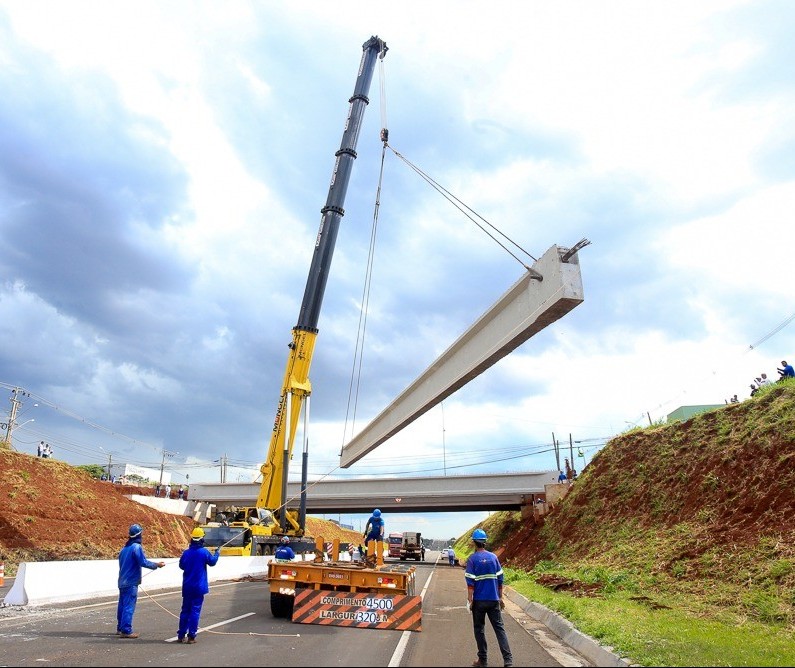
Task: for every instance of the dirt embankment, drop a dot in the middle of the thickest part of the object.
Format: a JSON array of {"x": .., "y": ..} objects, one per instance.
[
  {"x": 52, "y": 511},
  {"x": 710, "y": 499}
]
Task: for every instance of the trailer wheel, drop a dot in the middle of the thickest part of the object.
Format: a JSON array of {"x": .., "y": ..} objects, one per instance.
[{"x": 282, "y": 605}]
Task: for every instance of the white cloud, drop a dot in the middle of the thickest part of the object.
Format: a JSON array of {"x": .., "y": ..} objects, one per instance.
[{"x": 162, "y": 170}]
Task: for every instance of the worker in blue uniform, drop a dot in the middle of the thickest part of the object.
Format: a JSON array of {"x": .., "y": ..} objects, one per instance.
[
  {"x": 284, "y": 552},
  {"x": 374, "y": 529},
  {"x": 484, "y": 579},
  {"x": 131, "y": 560},
  {"x": 194, "y": 562}
]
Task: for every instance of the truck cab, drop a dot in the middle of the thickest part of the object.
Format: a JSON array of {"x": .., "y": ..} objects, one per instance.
[{"x": 411, "y": 546}]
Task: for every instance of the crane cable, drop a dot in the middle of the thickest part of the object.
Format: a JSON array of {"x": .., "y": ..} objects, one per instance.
[
  {"x": 467, "y": 210},
  {"x": 356, "y": 370}
]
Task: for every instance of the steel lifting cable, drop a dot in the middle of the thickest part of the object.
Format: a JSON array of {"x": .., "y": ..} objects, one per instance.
[
  {"x": 356, "y": 370},
  {"x": 467, "y": 210}
]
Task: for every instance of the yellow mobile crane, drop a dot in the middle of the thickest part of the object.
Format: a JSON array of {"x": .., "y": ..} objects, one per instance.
[
  {"x": 258, "y": 529},
  {"x": 369, "y": 594}
]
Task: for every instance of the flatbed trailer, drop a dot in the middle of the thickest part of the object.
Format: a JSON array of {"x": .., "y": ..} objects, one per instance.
[
  {"x": 346, "y": 594},
  {"x": 368, "y": 591}
]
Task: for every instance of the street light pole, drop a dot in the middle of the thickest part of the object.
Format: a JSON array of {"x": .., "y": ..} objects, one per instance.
[{"x": 444, "y": 448}]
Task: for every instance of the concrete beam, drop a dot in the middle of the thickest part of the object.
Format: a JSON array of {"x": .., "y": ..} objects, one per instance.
[
  {"x": 525, "y": 309},
  {"x": 507, "y": 491}
]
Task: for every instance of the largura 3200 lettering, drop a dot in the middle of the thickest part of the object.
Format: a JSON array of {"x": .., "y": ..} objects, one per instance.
[{"x": 360, "y": 617}]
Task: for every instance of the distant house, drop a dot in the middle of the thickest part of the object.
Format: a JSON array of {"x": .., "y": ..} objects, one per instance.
[
  {"x": 686, "y": 412},
  {"x": 146, "y": 474}
]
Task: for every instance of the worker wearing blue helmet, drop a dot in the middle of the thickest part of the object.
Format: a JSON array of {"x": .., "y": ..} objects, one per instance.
[
  {"x": 131, "y": 561},
  {"x": 484, "y": 594},
  {"x": 374, "y": 529}
]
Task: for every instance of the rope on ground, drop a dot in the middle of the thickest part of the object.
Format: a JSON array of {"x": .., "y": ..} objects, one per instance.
[{"x": 225, "y": 633}]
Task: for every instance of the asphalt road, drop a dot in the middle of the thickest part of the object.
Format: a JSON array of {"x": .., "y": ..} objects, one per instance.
[{"x": 237, "y": 627}]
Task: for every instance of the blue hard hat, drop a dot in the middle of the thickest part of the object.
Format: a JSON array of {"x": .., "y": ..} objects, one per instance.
[
  {"x": 135, "y": 530},
  {"x": 376, "y": 513},
  {"x": 479, "y": 535}
]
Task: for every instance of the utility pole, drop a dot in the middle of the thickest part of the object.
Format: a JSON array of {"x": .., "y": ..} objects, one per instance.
[
  {"x": 110, "y": 459},
  {"x": 166, "y": 453},
  {"x": 571, "y": 451},
  {"x": 12, "y": 416},
  {"x": 222, "y": 461},
  {"x": 557, "y": 450}
]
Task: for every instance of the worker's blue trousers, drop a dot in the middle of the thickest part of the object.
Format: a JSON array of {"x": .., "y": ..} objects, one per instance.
[
  {"x": 128, "y": 597},
  {"x": 189, "y": 615}
]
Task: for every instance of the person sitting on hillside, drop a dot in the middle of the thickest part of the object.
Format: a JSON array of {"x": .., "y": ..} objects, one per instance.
[
  {"x": 786, "y": 371},
  {"x": 754, "y": 389},
  {"x": 764, "y": 380}
]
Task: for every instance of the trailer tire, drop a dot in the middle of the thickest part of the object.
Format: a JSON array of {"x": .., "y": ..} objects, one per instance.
[{"x": 282, "y": 605}]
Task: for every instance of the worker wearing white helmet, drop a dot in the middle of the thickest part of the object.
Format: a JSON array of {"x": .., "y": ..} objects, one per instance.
[{"x": 284, "y": 552}]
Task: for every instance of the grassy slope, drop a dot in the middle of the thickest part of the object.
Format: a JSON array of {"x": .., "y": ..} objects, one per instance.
[{"x": 686, "y": 532}]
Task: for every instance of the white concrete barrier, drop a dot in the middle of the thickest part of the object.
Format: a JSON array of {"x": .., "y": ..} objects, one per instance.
[{"x": 43, "y": 582}]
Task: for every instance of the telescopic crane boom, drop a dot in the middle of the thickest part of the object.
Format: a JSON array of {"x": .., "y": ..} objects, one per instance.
[
  {"x": 295, "y": 385},
  {"x": 271, "y": 519}
]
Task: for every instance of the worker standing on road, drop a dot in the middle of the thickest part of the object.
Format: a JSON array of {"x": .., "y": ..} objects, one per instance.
[
  {"x": 374, "y": 529},
  {"x": 284, "y": 552},
  {"x": 131, "y": 560},
  {"x": 484, "y": 595},
  {"x": 194, "y": 562}
]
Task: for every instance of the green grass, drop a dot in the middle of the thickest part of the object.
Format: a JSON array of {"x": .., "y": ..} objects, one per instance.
[
  {"x": 681, "y": 538},
  {"x": 665, "y": 637}
]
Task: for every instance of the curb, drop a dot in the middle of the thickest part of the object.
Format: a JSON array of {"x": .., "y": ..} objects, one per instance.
[{"x": 584, "y": 645}]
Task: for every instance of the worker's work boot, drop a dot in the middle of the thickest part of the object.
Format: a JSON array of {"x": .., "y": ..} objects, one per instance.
[{"x": 128, "y": 635}]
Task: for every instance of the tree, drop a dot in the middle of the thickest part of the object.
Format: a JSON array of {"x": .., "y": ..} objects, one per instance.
[{"x": 94, "y": 470}]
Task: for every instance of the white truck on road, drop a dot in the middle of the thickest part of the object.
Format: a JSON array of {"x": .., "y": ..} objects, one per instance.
[{"x": 411, "y": 547}]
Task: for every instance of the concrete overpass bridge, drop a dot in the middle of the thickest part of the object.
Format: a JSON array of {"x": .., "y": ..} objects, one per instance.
[
  {"x": 544, "y": 294},
  {"x": 498, "y": 491}
]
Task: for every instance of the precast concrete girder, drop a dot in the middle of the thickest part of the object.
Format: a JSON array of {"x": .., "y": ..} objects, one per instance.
[{"x": 525, "y": 309}]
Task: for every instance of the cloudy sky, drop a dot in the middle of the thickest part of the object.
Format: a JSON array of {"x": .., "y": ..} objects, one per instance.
[{"x": 163, "y": 167}]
